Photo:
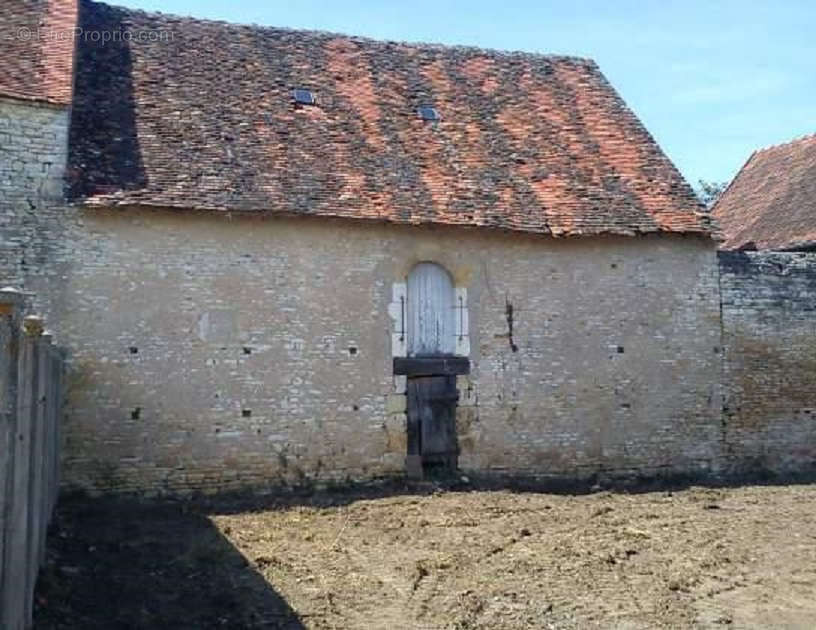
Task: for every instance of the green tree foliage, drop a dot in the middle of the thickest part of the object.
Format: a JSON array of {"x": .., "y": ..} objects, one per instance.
[{"x": 709, "y": 192}]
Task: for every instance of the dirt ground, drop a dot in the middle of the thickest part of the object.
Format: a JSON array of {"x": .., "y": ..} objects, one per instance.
[{"x": 419, "y": 558}]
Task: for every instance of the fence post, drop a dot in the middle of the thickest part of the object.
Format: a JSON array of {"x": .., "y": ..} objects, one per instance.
[
  {"x": 11, "y": 307},
  {"x": 37, "y": 458},
  {"x": 56, "y": 426},
  {"x": 47, "y": 453}
]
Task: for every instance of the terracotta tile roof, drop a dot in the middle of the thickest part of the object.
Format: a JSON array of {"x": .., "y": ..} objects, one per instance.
[
  {"x": 207, "y": 121},
  {"x": 771, "y": 204},
  {"x": 36, "y": 49}
]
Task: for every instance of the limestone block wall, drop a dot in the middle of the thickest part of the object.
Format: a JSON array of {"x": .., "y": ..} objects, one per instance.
[
  {"x": 769, "y": 333},
  {"x": 211, "y": 352},
  {"x": 597, "y": 355},
  {"x": 33, "y": 154}
]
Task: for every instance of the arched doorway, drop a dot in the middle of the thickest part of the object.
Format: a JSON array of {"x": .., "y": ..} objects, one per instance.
[{"x": 431, "y": 383}]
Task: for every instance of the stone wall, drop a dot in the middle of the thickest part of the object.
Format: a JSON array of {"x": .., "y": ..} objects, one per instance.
[
  {"x": 769, "y": 334},
  {"x": 212, "y": 352},
  {"x": 33, "y": 153}
]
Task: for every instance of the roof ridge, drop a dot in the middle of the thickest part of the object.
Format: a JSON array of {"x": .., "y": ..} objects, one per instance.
[
  {"x": 796, "y": 140},
  {"x": 357, "y": 38}
]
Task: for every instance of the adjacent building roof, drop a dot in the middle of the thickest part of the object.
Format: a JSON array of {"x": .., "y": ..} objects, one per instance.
[
  {"x": 198, "y": 114},
  {"x": 36, "y": 49},
  {"x": 771, "y": 204}
]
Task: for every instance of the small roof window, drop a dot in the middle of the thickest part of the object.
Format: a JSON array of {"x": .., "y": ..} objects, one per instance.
[
  {"x": 428, "y": 112},
  {"x": 304, "y": 97}
]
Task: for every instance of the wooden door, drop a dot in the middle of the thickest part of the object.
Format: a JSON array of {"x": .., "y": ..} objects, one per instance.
[
  {"x": 432, "y": 421},
  {"x": 431, "y": 316}
]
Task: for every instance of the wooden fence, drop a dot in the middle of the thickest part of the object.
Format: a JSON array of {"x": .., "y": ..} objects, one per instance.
[{"x": 31, "y": 376}]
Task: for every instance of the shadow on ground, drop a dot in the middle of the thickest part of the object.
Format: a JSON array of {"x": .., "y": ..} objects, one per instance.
[{"x": 118, "y": 564}]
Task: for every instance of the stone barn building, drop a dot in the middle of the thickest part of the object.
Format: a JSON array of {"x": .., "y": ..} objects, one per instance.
[{"x": 282, "y": 256}]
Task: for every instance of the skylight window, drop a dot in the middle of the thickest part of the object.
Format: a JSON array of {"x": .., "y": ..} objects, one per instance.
[
  {"x": 304, "y": 97},
  {"x": 427, "y": 112}
]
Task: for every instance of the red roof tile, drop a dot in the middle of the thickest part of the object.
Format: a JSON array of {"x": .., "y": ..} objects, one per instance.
[
  {"x": 36, "y": 49},
  {"x": 771, "y": 204},
  {"x": 206, "y": 119}
]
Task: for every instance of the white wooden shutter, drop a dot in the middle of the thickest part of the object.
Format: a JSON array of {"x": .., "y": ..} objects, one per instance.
[{"x": 431, "y": 317}]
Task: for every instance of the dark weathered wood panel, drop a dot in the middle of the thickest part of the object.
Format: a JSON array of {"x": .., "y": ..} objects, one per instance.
[
  {"x": 431, "y": 366},
  {"x": 432, "y": 420}
]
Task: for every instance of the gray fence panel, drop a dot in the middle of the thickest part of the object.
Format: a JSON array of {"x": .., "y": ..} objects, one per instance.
[{"x": 31, "y": 377}]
